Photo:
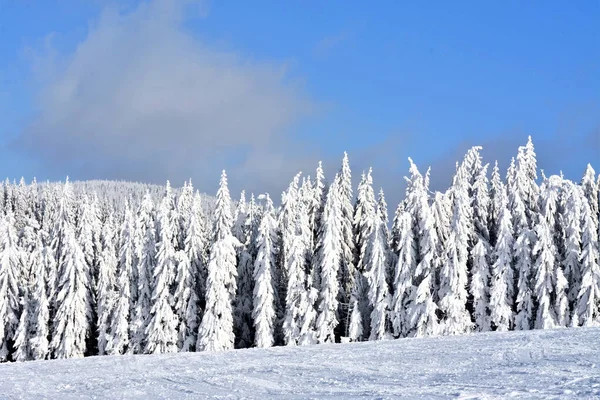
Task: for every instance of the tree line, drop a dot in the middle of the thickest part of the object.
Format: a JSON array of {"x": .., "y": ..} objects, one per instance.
[{"x": 127, "y": 271}]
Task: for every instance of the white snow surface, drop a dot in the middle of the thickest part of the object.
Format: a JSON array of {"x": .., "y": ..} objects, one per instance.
[{"x": 561, "y": 363}]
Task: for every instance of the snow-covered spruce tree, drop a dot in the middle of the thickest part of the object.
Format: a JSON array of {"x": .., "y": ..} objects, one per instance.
[
  {"x": 87, "y": 231},
  {"x": 406, "y": 264},
  {"x": 264, "y": 312},
  {"x": 331, "y": 255},
  {"x": 571, "y": 223},
  {"x": 118, "y": 339},
  {"x": 591, "y": 191},
  {"x": 126, "y": 295},
  {"x": 216, "y": 328},
  {"x": 105, "y": 286},
  {"x": 480, "y": 252},
  {"x": 319, "y": 193},
  {"x": 40, "y": 314},
  {"x": 422, "y": 317},
  {"x": 64, "y": 220},
  {"x": 502, "y": 281},
  {"x": 311, "y": 293},
  {"x": 453, "y": 276},
  {"x": 527, "y": 168},
  {"x": 375, "y": 274},
  {"x": 296, "y": 263},
  {"x": 186, "y": 303},
  {"x": 10, "y": 268},
  {"x": 545, "y": 270},
  {"x": 365, "y": 222},
  {"x": 145, "y": 250},
  {"x": 346, "y": 241},
  {"x": 190, "y": 269},
  {"x": 497, "y": 196},
  {"x": 196, "y": 247},
  {"x": 522, "y": 247},
  {"x": 161, "y": 331},
  {"x": 22, "y": 351},
  {"x": 382, "y": 207},
  {"x": 73, "y": 302},
  {"x": 287, "y": 231},
  {"x": 184, "y": 212},
  {"x": 587, "y": 309},
  {"x": 549, "y": 210},
  {"x": 243, "y": 301}
]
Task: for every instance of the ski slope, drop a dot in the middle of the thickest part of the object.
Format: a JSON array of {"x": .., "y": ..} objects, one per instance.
[{"x": 538, "y": 364}]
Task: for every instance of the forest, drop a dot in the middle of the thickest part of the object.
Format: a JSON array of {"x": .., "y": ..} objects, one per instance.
[{"x": 109, "y": 268}]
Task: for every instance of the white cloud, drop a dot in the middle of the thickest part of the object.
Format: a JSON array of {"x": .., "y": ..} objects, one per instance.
[{"x": 140, "y": 98}]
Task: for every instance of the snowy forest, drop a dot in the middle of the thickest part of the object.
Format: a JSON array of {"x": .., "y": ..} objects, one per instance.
[{"x": 107, "y": 268}]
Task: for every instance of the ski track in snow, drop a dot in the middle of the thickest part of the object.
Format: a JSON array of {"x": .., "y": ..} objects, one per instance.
[{"x": 562, "y": 363}]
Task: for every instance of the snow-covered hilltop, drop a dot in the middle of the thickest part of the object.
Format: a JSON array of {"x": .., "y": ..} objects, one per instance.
[
  {"x": 541, "y": 364},
  {"x": 134, "y": 271}
]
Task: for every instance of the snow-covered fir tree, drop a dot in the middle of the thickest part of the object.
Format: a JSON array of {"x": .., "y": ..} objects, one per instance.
[
  {"x": 331, "y": 258},
  {"x": 587, "y": 309},
  {"x": 216, "y": 329},
  {"x": 453, "y": 275},
  {"x": 346, "y": 240},
  {"x": 502, "y": 277},
  {"x": 243, "y": 300},
  {"x": 106, "y": 284},
  {"x": 39, "y": 307},
  {"x": 571, "y": 224},
  {"x": 10, "y": 269},
  {"x": 264, "y": 300},
  {"x": 375, "y": 274},
  {"x": 145, "y": 250},
  {"x": 296, "y": 265},
  {"x": 161, "y": 331},
  {"x": 480, "y": 252},
  {"x": 73, "y": 303}
]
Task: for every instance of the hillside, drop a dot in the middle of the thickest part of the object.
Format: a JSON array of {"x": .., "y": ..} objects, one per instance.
[{"x": 561, "y": 363}]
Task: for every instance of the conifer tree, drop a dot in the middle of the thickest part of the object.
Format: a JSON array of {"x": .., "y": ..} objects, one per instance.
[
  {"x": 126, "y": 293},
  {"x": 105, "y": 286},
  {"x": 453, "y": 276},
  {"x": 195, "y": 247},
  {"x": 571, "y": 221},
  {"x": 545, "y": 265},
  {"x": 405, "y": 265},
  {"x": 243, "y": 301},
  {"x": 502, "y": 281},
  {"x": 591, "y": 191},
  {"x": 480, "y": 252},
  {"x": 331, "y": 257},
  {"x": 161, "y": 331},
  {"x": 375, "y": 274},
  {"x": 264, "y": 307},
  {"x": 10, "y": 268},
  {"x": 145, "y": 250},
  {"x": 21, "y": 339},
  {"x": 73, "y": 303},
  {"x": 296, "y": 263},
  {"x": 497, "y": 196},
  {"x": 186, "y": 303},
  {"x": 40, "y": 315},
  {"x": 346, "y": 240},
  {"x": 365, "y": 223},
  {"x": 587, "y": 309},
  {"x": 216, "y": 328},
  {"x": 523, "y": 247}
]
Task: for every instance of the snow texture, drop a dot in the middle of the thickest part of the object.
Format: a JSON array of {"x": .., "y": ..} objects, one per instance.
[{"x": 561, "y": 363}]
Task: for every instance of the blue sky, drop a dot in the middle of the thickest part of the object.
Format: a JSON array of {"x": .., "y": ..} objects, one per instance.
[{"x": 309, "y": 80}]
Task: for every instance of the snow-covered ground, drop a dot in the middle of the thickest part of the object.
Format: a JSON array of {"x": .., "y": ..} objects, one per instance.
[{"x": 538, "y": 364}]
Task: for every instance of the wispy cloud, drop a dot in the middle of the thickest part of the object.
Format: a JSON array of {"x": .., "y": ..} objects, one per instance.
[{"x": 142, "y": 99}]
